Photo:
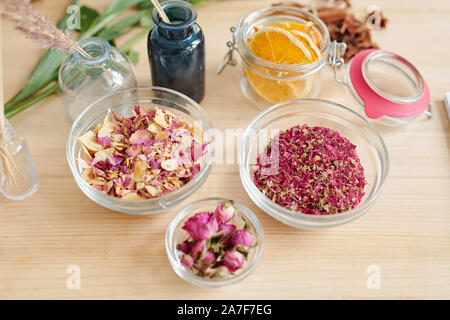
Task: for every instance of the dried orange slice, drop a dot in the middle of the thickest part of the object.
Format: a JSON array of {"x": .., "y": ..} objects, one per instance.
[
  {"x": 275, "y": 44},
  {"x": 279, "y": 91},
  {"x": 287, "y": 43}
]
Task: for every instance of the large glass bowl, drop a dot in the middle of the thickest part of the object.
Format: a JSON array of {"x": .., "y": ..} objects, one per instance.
[
  {"x": 122, "y": 103},
  {"x": 371, "y": 150},
  {"x": 175, "y": 234}
]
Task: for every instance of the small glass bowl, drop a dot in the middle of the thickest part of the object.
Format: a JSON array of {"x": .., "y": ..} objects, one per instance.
[
  {"x": 122, "y": 103},
  {"x": 371, "y": 150},
  {"x": 175, "y": 235}
]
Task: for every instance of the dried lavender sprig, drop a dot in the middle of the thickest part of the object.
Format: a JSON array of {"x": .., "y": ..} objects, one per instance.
[{"x": 38, "y": 27}]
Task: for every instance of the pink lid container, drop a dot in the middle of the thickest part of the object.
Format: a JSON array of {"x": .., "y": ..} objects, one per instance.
[{"x": 388, "y": 85}]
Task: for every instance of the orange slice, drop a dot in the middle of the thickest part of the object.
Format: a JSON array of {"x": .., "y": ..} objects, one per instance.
[
  {"x": 287, "y": 43},
  {"x": 275, "y": 44},
  {"x": 276, "y": 91}
]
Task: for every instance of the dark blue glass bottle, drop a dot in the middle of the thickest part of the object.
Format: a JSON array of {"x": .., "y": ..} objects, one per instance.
[{"x": 177, "y": 51}]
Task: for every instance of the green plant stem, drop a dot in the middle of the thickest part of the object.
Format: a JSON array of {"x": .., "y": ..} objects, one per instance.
[
  {"x": 44, "y": 94},
  {"x": 9, "y": 106},
  {"x": 92, "y": 31}
]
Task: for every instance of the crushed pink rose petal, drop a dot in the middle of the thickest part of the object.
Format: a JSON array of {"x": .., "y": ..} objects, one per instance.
[{"x": 313, "y": 170}]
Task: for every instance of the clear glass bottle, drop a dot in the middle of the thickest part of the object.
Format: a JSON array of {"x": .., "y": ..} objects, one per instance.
[
  {"x": 176, "y": 51},
  {"x": 83, "y": 80},
  {"x": 18, "y": 176}
]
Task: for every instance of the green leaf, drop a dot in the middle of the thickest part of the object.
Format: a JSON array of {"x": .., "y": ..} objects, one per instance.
[
  {"x": 119, "y": 6},
  {"x": 196, "y": 2},
  {"x": 116, "y": 29},
  {"x": 133, "y": 55},
  {"x": 45, "y": 71},
  {"x": 113, "y": 10},
  {"x": 146, "y": 21},
  {"x": 87, "y": 17},
  {"x": 145, "y": 4}
]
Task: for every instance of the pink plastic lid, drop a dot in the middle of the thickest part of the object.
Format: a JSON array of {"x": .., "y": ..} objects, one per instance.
[{"x": 388, "y": 85}]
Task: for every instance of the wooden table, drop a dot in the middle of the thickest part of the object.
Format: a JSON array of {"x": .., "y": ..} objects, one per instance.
[{"x": 406, "y": 234}]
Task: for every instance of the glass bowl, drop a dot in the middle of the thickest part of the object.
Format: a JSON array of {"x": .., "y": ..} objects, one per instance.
[
  {"x": 175, "y": 234},
  {"x": 122, "y": 103},
  {"x": 371, "y": 150}
]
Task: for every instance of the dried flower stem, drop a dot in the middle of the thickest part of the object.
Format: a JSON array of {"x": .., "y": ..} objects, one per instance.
[
  {"x": 7, "y": 160},
  {"x": 38, "y": 27}
]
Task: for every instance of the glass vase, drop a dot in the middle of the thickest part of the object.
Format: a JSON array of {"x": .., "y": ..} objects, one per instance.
[
  {"x": 83, "y": 80},
  {"x": 18, "y": 176}
]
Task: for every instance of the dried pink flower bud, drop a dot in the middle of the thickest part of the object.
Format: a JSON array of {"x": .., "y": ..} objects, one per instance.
[
  {"x": 227, "y": 229},
  {"x": 197, "y": 248},
  {"x": 184, "y": 247},
  {"x": 224, "y": 212},
  {"x": 233, "y": 260},
  {"x": 201, "y": 226},
  {"x": 242, "y": 237},
  {"x": 209, "y": 258},
  {"x": 187, "y": 261}
]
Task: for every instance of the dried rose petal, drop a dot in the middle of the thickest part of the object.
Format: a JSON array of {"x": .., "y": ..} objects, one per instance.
[
  {"x": 141, "y": 137},
  {"x": 169, "y": 165},
  {"x": 201, "y": 226},
  {"x": 135, "y": 157},
  {"x": 317, "y": 171}
]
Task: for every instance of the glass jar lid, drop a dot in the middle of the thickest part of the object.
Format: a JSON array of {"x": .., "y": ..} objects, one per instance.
[
  {"x": 388, "y": 85},
  {"x": 392, "y": 77}
]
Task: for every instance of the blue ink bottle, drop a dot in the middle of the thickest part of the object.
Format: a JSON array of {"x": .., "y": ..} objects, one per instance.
[{"x": 177, "y": 50}]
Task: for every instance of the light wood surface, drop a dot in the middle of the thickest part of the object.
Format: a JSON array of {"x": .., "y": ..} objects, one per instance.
[{"x": 406, "y": 233}]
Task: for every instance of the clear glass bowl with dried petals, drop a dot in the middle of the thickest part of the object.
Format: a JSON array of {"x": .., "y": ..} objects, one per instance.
[
  {"x": 214, "y": 242},
  {"x": 141, "y": 150},
  {"x": 313, "y": 163}
]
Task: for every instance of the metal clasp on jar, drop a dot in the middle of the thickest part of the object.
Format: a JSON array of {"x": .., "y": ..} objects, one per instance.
[
  {"x": 230, "y": 57},
  {"x": 336, "y": 60}
]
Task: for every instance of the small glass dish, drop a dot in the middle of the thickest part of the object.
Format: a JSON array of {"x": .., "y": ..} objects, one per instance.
[
  {"x": 122, "y": 103},
  {"x": 175, "y": 234},
  {"x": 370, "y": 147}
]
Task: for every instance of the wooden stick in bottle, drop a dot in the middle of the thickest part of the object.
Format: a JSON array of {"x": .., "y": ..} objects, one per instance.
[{"x": 160, "y": 10}]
